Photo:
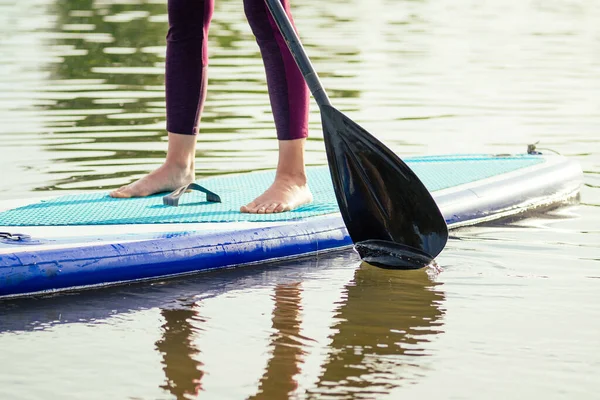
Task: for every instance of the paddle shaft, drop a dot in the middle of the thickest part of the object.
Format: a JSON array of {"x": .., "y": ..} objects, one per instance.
[
  {"x": 390, "y": 215},
  {"x": 297, "y": 50}
]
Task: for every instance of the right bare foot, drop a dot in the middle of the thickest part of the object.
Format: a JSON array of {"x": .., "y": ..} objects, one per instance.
[{"x": 166, "y": 178}]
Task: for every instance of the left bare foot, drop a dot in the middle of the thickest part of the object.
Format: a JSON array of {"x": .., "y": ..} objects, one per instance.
[{"x": 285, "y": 194}]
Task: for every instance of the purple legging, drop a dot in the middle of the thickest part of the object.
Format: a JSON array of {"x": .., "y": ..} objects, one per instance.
[{"x": 187, "y": 59}]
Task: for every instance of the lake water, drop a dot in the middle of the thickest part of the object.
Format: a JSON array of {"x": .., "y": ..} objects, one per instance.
[{"x": 513, "y": 314}]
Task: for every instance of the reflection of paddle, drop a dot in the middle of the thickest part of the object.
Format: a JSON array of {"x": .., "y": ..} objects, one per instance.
[
  {"x": 390, "y": 215},
  {"x": 382, "y": 332}
]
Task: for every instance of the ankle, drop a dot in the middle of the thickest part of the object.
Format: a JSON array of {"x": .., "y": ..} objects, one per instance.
[
  {"x": 181, "y": 152},
  {"x": 298, "y": 178},
  {"x": 184, "y": 166},
  {"x": 291, "y": 167}
]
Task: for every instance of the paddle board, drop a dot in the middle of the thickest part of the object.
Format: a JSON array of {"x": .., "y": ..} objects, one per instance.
[{"x": 87, "y": 240}]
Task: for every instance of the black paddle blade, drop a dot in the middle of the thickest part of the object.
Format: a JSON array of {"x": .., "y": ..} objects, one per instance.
[
  {"x": 385, "y": 254},
  {"x": 390, "y": 215}
]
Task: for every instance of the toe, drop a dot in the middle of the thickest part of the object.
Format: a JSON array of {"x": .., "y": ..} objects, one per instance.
[
  {"x": 248, "y": 208},
  {"x": 272, "y": 208},
  {"x": 115, "y": 192},
  {"x": 283, "y": 207},
  {"x": 119, "y": 193}
]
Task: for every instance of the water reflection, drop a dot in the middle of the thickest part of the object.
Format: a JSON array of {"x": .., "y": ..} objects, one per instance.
[
  {"x": 183, "y": 370},
  {"x": 385, "y": 320},
  {"x": 183, "y": 367},
  {"x": 286, "y": 348},
  {"x": 385, "y": 323},
  {"x": 181, "y": 358}
]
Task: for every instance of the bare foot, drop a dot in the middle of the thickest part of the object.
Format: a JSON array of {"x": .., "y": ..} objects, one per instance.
[
  {"x": 166, "y": 178},
  {"x": 177, "y": 170},
  {"x": 285, "y": 194}
]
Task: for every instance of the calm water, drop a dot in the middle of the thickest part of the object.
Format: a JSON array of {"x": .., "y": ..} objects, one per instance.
[{"x": 514, "y": 314}]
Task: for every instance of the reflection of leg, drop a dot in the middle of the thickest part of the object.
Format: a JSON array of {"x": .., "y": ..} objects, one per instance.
[
  {"x": 186, "y": 79},
  {"x": 289, "y": 102},
  {"x": 182, "y": 371},
  {"x": 278, "y": 380}
]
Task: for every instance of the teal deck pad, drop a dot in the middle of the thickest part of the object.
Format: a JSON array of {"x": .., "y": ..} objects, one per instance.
[{"x": 436, "y": 172}]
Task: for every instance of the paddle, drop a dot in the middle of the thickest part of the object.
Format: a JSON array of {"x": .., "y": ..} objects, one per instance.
[{"x": 390, "y": 215}]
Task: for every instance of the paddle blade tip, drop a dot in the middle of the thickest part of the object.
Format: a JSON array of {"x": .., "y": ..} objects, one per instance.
[{"x": 390, "y": 255}]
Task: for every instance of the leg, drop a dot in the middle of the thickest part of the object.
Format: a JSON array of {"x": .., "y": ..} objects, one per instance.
[
  {"x": 289, "y": 101},
  {"x": 186, "y": 65}
]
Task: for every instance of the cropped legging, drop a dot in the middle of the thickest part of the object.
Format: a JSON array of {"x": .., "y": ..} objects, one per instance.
[{"x": 187, "y": 60}]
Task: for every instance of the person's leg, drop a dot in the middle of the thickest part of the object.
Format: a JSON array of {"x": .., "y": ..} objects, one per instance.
[
  {"x": 185, "y": 80},
  {"x": 289, "y": 101}
]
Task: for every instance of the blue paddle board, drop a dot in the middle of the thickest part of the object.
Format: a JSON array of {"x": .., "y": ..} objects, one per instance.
[{"x": 90, "y": 239}]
